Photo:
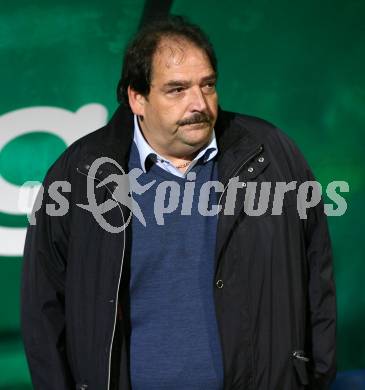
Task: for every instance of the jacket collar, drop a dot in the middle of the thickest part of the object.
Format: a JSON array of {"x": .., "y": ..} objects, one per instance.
[{"x": 235, "y": 143}]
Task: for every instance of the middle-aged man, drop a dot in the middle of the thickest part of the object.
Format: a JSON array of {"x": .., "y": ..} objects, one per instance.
[{"x": 176, "y": 286}]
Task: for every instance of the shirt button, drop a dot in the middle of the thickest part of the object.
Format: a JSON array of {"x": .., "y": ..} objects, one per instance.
[
  {"x": 219, "y": 283},
  {"x": 261, "y": 159},
  {"x": 250, "y": 169}
]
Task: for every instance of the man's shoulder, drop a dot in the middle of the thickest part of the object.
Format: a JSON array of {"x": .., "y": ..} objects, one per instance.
[
  {"x": 262, "y": 130},
  {"x": 74, "y": 154},
  {"x": 253, "y": 123},
  {"x": 277, "y": 143},
  {"x": 105, "y": 141}
]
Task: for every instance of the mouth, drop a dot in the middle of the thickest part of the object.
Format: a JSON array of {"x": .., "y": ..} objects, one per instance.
[{"x": 197, "y": 125}]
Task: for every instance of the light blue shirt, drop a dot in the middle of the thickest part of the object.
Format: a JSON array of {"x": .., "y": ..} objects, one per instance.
[{"x": 145, "y": 150}]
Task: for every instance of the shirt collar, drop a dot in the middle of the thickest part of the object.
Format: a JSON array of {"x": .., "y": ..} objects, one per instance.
[{"x": 145, "y": 150}]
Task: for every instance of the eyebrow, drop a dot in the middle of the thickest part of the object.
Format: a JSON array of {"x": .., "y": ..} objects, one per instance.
[{"x": 182, "y": 83}]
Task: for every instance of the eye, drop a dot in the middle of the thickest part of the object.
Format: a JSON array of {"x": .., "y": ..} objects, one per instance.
[
  {"x": 176, "y": 90},
  {"x": 209, "y": 87}
]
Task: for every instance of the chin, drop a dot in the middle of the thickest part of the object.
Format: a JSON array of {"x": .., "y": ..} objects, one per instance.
[{"x": 198, "y": 139}]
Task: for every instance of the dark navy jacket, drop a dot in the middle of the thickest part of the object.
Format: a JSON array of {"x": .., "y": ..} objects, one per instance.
[{"x": 274, "y": 289}]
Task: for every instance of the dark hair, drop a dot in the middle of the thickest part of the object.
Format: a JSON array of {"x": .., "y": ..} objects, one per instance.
[{"x": 137, "y": 64}]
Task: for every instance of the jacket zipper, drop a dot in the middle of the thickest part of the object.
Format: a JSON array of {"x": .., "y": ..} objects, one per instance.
[
  {"x": 237, "y": 170},
  {"x": 119, "y": 279}
]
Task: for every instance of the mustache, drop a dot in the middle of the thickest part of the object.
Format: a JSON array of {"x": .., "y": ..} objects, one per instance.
[{"x": 199, "y": 117}]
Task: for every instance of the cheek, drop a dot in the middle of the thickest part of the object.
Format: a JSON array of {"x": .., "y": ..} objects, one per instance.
[
  {"x": 157, "y": 113},
  {"x": 172, "y": 112},
  {"x": 214, "y": 99},
  {"x": 163, "y": 107},
  {"x": 164, "y": 118},
  {"x": 213, "y": 104}
]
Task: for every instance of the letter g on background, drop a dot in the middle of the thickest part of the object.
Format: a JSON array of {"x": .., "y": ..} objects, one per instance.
[{"x": 62, "y": 123}]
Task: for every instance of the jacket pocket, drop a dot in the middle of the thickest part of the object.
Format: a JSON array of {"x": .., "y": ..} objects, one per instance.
[
  {"x": 300, "y": 364},
  {"x": 81, "y": 386}
]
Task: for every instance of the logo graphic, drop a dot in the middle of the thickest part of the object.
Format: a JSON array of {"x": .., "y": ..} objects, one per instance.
[
  {"x": 122, "y": 193},
  {"x": 254, "y": 202},
  {"x": 65, "y": 124},
  {"x": 256, "y": 198}
]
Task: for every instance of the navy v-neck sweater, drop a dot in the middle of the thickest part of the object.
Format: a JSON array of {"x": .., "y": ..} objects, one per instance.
[{"x": 174, "y": 342}]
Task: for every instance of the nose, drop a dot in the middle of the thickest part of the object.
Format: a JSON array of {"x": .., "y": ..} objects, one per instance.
[{"x": 198, "y": 99}]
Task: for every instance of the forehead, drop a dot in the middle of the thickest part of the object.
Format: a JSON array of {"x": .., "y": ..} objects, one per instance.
[{"x": 179, "y": 59}]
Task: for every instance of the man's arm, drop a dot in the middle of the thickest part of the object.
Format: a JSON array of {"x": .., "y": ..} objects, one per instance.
[
  {"x": 322, "y": 298},
  {"x": 321, "y": 285},
  {"x": 42, "y": 301}
]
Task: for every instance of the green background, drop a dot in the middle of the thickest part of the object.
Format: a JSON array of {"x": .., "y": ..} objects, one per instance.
[{"x": 299, "y": 65}]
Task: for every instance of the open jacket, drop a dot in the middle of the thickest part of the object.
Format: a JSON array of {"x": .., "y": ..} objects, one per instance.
[{"x": 273, "y": 290}]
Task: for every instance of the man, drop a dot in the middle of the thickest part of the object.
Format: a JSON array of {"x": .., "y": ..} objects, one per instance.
[{"x": 191, "y": 292}]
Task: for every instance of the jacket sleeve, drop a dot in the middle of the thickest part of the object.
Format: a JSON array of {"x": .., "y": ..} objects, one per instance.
[
  {"x": 322, "y": 297},
  {"x": 321, "y": 285},
  {"x": 43, "y": 302}
]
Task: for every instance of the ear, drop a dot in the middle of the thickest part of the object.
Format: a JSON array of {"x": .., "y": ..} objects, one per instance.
[{"x": 136, "y": 101}]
